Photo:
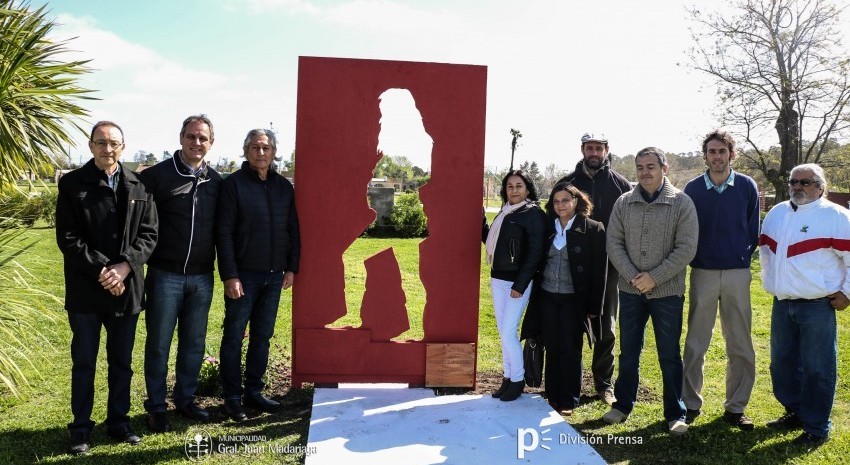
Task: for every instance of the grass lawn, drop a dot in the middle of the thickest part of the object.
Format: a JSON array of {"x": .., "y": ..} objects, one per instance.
[{"x": 33, "y": 428}]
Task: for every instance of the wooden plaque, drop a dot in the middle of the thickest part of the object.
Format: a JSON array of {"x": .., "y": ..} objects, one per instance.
[{"x": 450, "y": 365}]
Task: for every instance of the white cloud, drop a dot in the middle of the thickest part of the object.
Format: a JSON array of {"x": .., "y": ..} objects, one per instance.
[{"x": 261, "y": 6}]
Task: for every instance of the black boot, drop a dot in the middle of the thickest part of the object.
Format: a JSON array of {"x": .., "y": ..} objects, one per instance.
[
  {"x": 513, "y": 391},
  {"x": 498, "y": 393}
]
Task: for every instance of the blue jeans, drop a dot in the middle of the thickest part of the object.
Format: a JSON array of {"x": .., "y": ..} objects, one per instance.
[
  {"x": 666, "y": 314},
  {"x": 120, "y": 337},
  {"x": 259, "y": 306},
  {"x": 803, "y": 353},
  {"x": 173, "y": 298}
]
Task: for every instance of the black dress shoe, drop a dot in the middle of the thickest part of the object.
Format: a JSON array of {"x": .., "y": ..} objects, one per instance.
[
  {"x": 233, "y": 409},
  {"x": 193, "y": 412},
  {"x": 125, "y": 435},
  {"x": 158, "y": 422},
  {"x": 809, "y": 441},
  {"x": 261, "y": 402},
  {"x": 788, "y": 421},
  {"x": 513, "y": 391},
  {"x": 79, "y": 443},
  {"x": 498, "y": 392}
]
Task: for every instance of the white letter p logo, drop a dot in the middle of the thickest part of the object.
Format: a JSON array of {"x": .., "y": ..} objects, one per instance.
[{"x": 521, "y": 446}]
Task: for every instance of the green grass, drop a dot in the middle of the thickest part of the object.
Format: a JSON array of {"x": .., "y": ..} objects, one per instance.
[{"x": 33, "y": 428}]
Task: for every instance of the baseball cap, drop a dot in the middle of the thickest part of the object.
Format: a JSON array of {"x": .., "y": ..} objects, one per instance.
[{"x": 594, "y": 137}]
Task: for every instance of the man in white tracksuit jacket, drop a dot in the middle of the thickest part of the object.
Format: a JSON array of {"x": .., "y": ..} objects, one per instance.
[{"x": 805, "y": 255}]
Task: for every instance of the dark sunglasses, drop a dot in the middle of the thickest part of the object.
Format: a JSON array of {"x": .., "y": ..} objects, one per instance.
[{"x": 802, "y": 182}]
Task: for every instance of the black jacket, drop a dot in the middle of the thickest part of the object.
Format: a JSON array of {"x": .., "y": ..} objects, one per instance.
[
  {"x": 186, "y": 206},
  {"x": 604, "y": 188},
  {"x": 257, "y": 224},
  {"x": 588, "y": 267},
  {"x": 96, "y": 227},
  {"x": 519, "y": 250}
]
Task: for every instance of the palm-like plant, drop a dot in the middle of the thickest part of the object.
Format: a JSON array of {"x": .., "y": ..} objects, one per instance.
[{"x": 38, "y": 95}]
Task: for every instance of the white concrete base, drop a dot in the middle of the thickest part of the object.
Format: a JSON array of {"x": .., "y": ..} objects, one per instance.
[{"x": 389, "y": 424}]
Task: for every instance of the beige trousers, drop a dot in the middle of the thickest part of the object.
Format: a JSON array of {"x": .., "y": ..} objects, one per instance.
[{"x": 731, "y": 289}]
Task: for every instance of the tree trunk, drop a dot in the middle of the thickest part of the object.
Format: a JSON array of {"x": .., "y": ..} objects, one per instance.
[{"x": 788, "y": 130}]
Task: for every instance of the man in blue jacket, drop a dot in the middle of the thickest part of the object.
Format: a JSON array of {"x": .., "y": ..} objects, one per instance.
[
  {"x": 179, "y": 284},
  {"x": 727, "y": 206},
  {"x": 106, "y": 228}
]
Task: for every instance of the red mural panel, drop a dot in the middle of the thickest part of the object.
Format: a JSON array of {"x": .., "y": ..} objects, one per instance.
[{"x": 338, "y": 123}]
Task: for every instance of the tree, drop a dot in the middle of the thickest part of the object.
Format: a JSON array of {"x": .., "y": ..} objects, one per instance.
[
  {"x": 37, "y": 92},
  {"x": 551, "y": 175},
  {"x": 38, "y": 109},
  {"x": 778, "y": 64},
  {"x": 534, "y": 173},
  {"x": 515, "y": 134}
]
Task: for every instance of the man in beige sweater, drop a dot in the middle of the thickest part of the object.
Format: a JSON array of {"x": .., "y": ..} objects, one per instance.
[{"x": 652, "y": 236}]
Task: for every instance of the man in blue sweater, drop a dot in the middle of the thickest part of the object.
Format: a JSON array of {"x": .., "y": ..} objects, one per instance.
[{"x": 727, "y": 206}]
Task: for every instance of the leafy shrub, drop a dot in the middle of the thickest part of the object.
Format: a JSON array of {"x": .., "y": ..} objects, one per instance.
[
  {"x": 407, "y": 216},
  {"x": 23, "y": 208},
  {"x": 48, "y": 207}
]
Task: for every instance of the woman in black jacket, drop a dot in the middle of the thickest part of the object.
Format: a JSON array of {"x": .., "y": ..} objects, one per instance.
[
  {"x": 569, "y": 290},
  {"x": 514, "y": 245}
]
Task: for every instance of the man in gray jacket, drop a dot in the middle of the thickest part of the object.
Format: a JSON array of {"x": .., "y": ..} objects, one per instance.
[{"x": 652, "y": 236}]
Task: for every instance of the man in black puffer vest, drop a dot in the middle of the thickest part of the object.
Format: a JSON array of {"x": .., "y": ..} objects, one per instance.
[{"x": 594, "y": 176}]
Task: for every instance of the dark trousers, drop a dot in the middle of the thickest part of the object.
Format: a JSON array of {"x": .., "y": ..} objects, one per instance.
[
  {"x": 605, "y": 329},
  {"x": 562, "y": 332},
  {"x": 120, "y": 336},
  {"x": 259, "y": 307}
]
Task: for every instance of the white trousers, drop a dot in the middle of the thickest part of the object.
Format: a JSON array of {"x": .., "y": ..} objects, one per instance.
[{"x": 508, "y": 314}]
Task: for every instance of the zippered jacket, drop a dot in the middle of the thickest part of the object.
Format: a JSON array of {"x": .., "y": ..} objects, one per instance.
[
  {"x": 659, "y": 238},
  {"x": 257, "y": 224},
  {"x": 519, "y": 250},
  {"x": 187, "y": 216},
  {"x": 805, "y": 253}
]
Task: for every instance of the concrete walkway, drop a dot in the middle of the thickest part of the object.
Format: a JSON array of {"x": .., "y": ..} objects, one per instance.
[{"x": 390, "y": 424}]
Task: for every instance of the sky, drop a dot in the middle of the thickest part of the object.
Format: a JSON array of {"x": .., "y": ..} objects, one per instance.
[{"x": 555, "y": 69}]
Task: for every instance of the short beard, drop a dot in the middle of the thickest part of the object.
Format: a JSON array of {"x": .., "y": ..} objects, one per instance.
[
  {"x": 594, "y": 163},
  {"x": 803, "y": 198}
]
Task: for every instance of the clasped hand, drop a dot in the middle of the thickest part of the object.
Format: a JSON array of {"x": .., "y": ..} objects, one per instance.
[{"x": 112, "y": 277}]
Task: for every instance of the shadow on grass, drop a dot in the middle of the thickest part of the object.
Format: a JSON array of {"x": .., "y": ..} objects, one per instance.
[
  {"x": 711, "y": 442},
  {"x": 288, "y": 427}
]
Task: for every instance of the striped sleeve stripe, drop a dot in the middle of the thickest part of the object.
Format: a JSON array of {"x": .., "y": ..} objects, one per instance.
[
  {"x": 811, "y": 245},
  {"x": 764, "y": 239}
]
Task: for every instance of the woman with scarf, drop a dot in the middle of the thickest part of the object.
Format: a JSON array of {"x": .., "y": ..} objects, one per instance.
[
  {"x": 514, "y": 246},
  {"x": 568, "y": 291}
]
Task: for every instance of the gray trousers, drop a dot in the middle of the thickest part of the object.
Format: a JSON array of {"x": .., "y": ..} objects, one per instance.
[
  {"x": 603, "y": 351},
  {"x": 731, "y": 288}
]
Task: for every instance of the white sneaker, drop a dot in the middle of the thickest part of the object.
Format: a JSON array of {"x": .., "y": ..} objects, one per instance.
[
  {"x": 614, "y": 416},
  {"x": 677, "y": 427}
]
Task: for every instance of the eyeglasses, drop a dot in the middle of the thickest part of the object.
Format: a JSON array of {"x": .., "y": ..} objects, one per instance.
[
  {"x": 102, "y": 144},
  {"x": 563, "y": 202},
  {"x": 802, "y": 182}
]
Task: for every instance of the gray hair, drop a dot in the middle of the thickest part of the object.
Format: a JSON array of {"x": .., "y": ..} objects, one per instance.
[
  {"x": 260, "y": 132},
  {"x": 817, "y": 173}
]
